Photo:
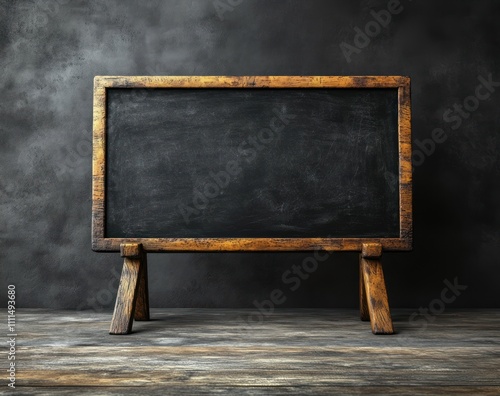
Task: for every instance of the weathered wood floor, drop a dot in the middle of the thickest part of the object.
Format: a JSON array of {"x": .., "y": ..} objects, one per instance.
[{"x": 307, "y": 352}]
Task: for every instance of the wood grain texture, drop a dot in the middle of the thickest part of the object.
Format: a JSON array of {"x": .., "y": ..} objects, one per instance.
[
  {"x": 297, "y": 351},
  {"x": 131, "y": 250},
  {"x": 251, "y": 81},
  {"x": 270, "y": 390},
  {"x": 250, "y": 244},
  {"x": 142, "y": 303},
  {"x": 364, "y": 312},
  {"x": 375, "y": 292},
  {"x": 405, "y": 163},
  {"x": 101, "y": 243},
  {"x": 99, "y": 162},
  {"x": 126, "y": 299},
  {"x": 371, "y": 250}
]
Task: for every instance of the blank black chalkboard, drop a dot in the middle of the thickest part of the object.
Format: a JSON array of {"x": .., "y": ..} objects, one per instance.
[
  {"x": 264, "y": 162},
  {"x": 328, "y": 169}
]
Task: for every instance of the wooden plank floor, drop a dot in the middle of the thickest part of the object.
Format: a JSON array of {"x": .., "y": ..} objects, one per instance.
[{"x": 308, "y": 352}]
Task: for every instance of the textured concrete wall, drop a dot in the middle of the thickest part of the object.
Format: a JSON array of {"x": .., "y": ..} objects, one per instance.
[{"x": 50, "y": 51}]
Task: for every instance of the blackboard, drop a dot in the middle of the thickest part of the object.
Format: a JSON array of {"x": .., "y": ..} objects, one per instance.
[{"x": 252, "y": 163}]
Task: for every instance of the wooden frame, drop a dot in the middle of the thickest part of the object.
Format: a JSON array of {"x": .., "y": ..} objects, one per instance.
[{"x": 102, "y": 83}]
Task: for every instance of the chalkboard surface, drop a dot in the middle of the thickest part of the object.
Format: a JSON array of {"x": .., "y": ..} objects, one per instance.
[
  {"x": 328, "y": 169},
  {"x": 264, "y": 162}
]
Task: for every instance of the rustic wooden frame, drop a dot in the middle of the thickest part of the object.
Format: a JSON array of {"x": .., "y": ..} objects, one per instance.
[{"x": 102, "y": 83}]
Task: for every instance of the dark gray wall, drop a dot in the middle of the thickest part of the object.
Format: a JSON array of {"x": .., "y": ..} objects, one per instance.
[{"x": 50, "y": 52}]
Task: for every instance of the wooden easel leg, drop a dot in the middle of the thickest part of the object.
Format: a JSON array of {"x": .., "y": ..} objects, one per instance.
[
  {"x": 142, "y": 304},
  {"x": 363, "y": 304},
  {"x": 133, "y": 271},
  {"x": 374, "y": 289}
]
